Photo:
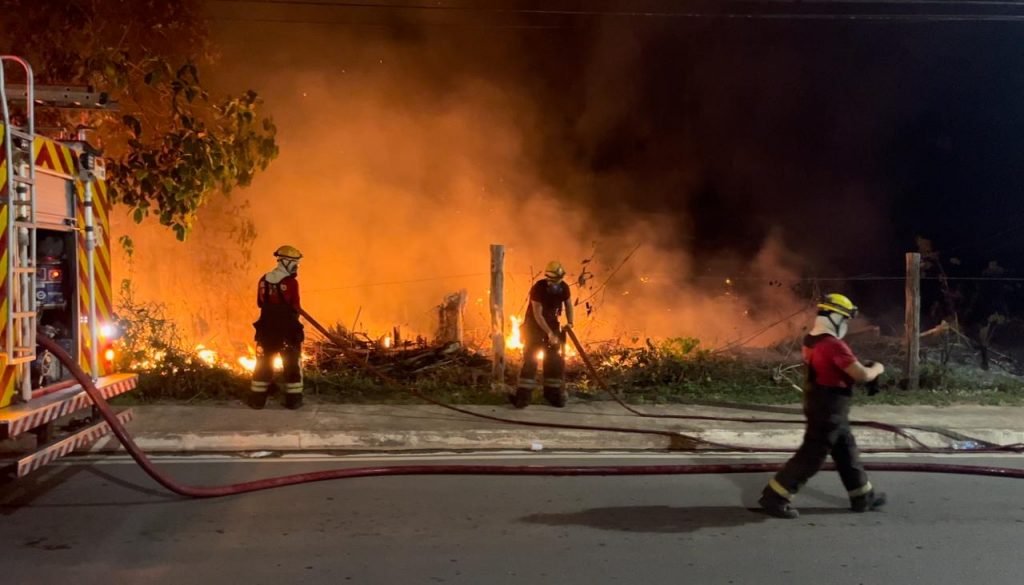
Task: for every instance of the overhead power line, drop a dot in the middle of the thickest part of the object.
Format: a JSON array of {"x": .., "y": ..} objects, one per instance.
[
  {"x": 684, "y": 278},
  {"x": 386, "y": 25},
  {"x": 880, "y": 10},
  {"x": 693, "y": 5}
]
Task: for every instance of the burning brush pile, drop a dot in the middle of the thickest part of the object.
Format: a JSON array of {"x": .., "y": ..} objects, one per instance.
[
  {"x": 672, "y": 370},
  {"x": 171, "y": 368},
  {"x": 449, "y": 369},
  {"x": 404, "y": 359}
]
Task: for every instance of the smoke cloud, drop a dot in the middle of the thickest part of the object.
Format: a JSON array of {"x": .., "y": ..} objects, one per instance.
[{"x": 404, "y": 155}]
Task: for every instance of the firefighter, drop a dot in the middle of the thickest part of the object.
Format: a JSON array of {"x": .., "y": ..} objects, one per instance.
[
  {"x": 541, "y": 332},
  {"x": 832, "y": 370},
  {"x": 278, "y": 330}
]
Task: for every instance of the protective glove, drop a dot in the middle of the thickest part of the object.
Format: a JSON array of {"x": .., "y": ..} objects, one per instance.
[{"x": 873, "y": 387}]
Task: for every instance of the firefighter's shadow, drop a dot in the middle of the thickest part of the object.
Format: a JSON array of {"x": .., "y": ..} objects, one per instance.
[
  {"x": 662, "y": 519},
  {"x": 657, "y": 519}
]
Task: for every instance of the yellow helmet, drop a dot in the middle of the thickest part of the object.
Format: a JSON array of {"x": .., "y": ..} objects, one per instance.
[
  {"x": 554, "y": 270},
  {"x": 290, "y": 252},
  {"x": 837, "y": 303}
]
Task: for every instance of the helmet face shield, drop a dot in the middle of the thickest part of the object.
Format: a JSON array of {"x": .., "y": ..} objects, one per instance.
[{"x": 289, "y": 264}]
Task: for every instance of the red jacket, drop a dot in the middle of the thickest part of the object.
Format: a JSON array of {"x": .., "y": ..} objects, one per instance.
[
  {"x": 285, "y": 292},
  {"x": 828, "y": 357}
]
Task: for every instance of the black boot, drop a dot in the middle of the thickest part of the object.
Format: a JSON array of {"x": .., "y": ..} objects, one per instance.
[
  {"x": 521, "y": 397},
  {"x": 777, "y": 506},
  {"x": 292, "y": 400},
  {"x": 257, "y": 400},
  {"x": 556, "y": 397},
  {"x": 869, "y": 501}
]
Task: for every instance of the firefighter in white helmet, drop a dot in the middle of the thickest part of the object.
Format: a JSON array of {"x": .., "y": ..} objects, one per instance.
[
  {"x": 832, "y": 370},
  {"x": 541, "y": 333},
  {"x": 278, "y": 330}
]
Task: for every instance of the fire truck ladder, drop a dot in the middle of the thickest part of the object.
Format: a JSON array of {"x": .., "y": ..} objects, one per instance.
[{"x": 20, "y": 342}]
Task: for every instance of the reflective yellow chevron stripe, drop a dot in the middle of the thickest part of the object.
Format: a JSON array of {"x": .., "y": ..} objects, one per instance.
[
  {"x": 777, "y": 488},
  {"x": 861, "y": 491}
]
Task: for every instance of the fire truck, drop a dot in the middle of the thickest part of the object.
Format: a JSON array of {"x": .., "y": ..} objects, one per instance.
[{"x": 55, "y": 277}]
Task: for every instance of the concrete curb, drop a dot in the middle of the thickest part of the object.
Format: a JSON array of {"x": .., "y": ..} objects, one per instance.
[
  {"x": 510, "y": 439},
  {"x": 230, "y": 427}
]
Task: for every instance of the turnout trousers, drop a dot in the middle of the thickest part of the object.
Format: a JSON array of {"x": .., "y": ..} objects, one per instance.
[
  {"x": 263, "y": 375},
  {"x": 827, "y": 433},
  {"x": 554, "y": 370}
]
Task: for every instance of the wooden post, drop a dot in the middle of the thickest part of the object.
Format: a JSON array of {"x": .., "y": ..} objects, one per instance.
[
  {"x": 913, "y": 320},
  {"x": 450, "y": 318},
  {"x": 498, "y": 314}
]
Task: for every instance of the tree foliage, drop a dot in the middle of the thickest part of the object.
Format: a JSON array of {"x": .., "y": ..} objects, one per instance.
[{"x": 171, "y": 145}]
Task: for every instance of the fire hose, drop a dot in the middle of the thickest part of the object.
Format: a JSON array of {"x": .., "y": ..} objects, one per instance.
[
  {"x": 677, "y": 440},
  {"x": 406, "y": 470},
  {"x": 585, "y": 357}
]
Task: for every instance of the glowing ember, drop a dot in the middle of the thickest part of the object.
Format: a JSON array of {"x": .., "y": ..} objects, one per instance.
[
  {"x": 387, "y": 341},
  {"x": 514, "y": 340},
  {"x": 570, "y": 350},
  {"x": 206, "y": 355},
  {"x": 248, "y": 363}
]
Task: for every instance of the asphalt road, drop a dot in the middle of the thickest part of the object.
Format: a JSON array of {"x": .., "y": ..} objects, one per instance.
[{"x": 102, "y": 521}]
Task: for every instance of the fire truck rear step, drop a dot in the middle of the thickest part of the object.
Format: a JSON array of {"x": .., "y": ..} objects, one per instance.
[
  {"x": 61, "y": 447},
  {"x": 22, "y": 418}
]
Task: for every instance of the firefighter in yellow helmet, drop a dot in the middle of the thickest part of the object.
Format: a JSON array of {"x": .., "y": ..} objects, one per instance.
[
  {"x": 541, "y": 332},
  {"x": 832, "y": 370},
  {"x": 278, "y": 330}
]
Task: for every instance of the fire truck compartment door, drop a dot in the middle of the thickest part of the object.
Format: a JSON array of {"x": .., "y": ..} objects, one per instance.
[{"x": 55, "y": 202}]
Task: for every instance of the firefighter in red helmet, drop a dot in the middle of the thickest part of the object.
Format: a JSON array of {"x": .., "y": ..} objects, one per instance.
[{"x": 278, "y": 330}]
